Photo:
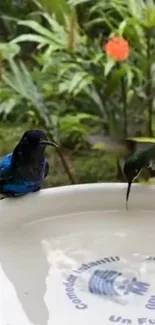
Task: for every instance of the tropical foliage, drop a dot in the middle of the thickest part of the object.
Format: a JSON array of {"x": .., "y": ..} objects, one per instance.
[{"x": 59, "y": 71}]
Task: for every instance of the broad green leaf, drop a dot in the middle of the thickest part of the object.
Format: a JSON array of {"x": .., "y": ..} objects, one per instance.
[
  {"x": 136, "y": 8},
  {"x": 84, "y": 116},
  {"x": 98, "y": 58},
  {"x": 79, "y": 81},
  {"x": 53, "y": 24},
  {"x": 119, "y": 7},
  {"x": 59, "y": 8},
  {"x": 38, "y": 28},
  {"x": 76, "y": 2},
  {"x": 7, "y": 105},
  {"x": 149, "y": 2},
  {"x": 108, "y": 66},
  {"x": 62, "y": 88},
  {"x": 96, "y": 99},
  {"x": 85, "y": 82},
  {"x": 7, "y": 80},
  {"x": 9, "y": 50},
  {"x": 130, "y": 95},
  {"x": 18, "y": 78},
  {"x": 135, "y": 32},
  {"x": 98, "y": 21},
  {"x": 150, "y": 16},
  {"x": 114, "y": 81},
  {"x": 31, "y": 38},
  {"x": 138, "y": 73},
  {"x": 130, "y": 77},
  {"x": 122, "y": 27},
  {"x": 98, "y": 146}
]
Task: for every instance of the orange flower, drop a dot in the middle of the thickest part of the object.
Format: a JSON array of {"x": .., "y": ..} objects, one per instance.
[{"x": 118, "y": 48}]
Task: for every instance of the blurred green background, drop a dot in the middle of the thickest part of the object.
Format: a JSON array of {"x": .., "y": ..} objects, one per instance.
[{"x": 55, "y": 75}]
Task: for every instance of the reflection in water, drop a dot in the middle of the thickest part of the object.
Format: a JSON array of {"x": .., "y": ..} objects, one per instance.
[
  {"x": 36, "y": 258},
  {"x": 26, "y": 268},
  {"x": 27, "y": 263}
]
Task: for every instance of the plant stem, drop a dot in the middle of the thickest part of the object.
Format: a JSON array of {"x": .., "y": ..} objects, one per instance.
[
  {"x": 125, "y": 106},
  {"x": 149, "y": 85},
  {"x": 63, "y": 160},
  {"x": 65, "y": 165}
]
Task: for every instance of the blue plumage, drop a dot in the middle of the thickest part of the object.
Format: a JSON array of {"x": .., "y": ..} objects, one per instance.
[{"x": 24, "y": 170}]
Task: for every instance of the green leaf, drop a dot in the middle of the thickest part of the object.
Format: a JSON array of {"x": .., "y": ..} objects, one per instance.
[
  {"x": 15, "y": 80},
  {"x": 136, "y": 8},
  {"x": 7, "y": 105},
  {"x": 108, "y": 66},
  {"x": 76, "y": 2},
  {"x": 85, "y": 116},
  {"x": 122, "y": 27},
  {"x": 130, "y": 77},
  {"x": 130, "y": 95},
  {"x": 7, "y": 80},
  {"x": 54, "y": 25},
  {"x": 9, "y": 50},
  {"x": 80, "y": 81},
  {"x": 114, "y": 81},
  {"x": 20, "y": 80},
  {"x": 39, "y": 29},
  {"x": 150, "y": 16},
  {"x": 60, "y": 8},
  {"x": 94, "y": 96},
  {"x": 31, "y": 38}
]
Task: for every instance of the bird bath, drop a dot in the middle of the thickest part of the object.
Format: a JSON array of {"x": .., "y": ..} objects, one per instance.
[{"x": 74, "y": 255}]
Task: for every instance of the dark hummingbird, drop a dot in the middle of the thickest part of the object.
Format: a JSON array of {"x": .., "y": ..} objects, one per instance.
[
  {"x": 23, "y": 170},
  {"x": 141, "y": 159},
  {"x": 135, "y": 155}
]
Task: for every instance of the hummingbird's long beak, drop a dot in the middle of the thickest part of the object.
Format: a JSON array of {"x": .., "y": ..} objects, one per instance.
[
  {"x": 50, "y": 143},
  {"x": 127, "y": 193}
]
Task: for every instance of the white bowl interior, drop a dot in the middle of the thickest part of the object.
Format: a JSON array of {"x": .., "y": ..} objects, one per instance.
[{"x": 74, "y": 255}]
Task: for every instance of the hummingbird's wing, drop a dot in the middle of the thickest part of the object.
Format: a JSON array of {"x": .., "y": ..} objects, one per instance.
[
  {"x": 120, "y": 147},
  {"x": 142, "y": 142}
]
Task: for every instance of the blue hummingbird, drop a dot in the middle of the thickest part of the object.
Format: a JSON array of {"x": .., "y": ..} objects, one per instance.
[{"x": 24, "y": 170}]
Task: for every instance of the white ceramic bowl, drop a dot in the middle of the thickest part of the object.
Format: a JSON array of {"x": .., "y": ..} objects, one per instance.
[{"x": 74, "y": 255}]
